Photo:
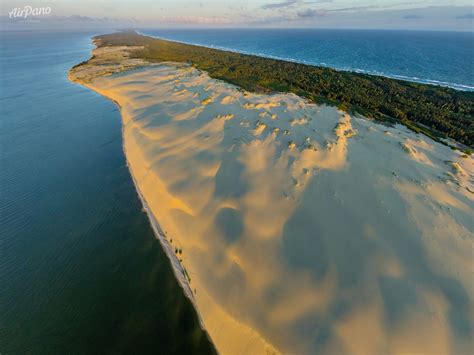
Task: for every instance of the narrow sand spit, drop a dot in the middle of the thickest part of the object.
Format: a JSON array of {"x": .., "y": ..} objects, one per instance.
[{"x": 298, "y": 228}]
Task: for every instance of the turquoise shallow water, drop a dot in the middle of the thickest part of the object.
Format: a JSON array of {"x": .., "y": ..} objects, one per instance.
[{"x": 80, "y": 268}]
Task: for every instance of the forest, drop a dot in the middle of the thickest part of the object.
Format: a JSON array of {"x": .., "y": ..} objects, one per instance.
[{"x": 436, "y": 111}]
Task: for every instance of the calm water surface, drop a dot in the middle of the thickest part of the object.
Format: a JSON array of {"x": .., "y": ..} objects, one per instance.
[{"x": 80, "y": 268}]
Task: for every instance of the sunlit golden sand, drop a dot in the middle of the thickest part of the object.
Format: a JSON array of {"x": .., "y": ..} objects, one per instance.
[{"x": 300, "y": 229}]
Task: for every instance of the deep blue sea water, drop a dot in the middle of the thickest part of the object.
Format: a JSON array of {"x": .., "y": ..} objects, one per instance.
[
  {"x": 442, "y": 58},
  {"x": 80, "y": 269}
]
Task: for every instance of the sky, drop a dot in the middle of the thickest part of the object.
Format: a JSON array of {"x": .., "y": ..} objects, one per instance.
[{"x": 376, "y": 14}]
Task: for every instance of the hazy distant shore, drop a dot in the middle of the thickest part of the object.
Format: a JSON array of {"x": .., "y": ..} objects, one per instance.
[{"x": 296, "y": 227}]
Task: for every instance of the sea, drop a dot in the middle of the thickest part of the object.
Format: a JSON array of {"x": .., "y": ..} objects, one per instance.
[
  {"x": 81, "y": 271},
  {"x": 438, "y": 58}
]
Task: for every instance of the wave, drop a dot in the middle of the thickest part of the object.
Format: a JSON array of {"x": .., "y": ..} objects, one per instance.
[{"x": 456, "y": 86}]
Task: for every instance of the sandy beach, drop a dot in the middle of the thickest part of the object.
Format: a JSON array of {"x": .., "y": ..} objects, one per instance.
[{"x": 295, "y": 227}]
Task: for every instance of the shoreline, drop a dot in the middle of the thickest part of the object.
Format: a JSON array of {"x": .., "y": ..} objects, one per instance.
[
  {"x": 432, "y": 82},
  {"x": 178, "y": 269}
]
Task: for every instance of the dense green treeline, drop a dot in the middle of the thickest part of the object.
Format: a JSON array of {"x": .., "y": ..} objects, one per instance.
[{"x": 437, "y": 111}]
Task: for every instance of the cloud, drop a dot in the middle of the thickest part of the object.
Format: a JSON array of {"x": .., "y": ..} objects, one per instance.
[
  {"x": 370, "y": 7},
  {"x": 412, "y": 17},
  {"x": 279, "y": 4},
  {"x": 376, "y": 17},
  {"x": 196, "y": 20},
  {"x": 465, "y": 17},
  {"x": 288, "y": 3},
  {"x": 356, "y": 8},
  {"x": 308, "y": 13},
  {"x": 298, "y": 14},
  {"x": 78, "y": 18}
]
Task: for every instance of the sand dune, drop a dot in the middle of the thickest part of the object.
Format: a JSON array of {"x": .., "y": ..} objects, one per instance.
[{"x": 302, "y": 229}]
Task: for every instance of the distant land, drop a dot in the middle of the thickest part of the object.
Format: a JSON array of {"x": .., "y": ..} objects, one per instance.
[{"x": 436, "y": 111}]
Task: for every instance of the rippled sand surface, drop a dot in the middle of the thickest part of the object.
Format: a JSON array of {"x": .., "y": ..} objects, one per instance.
[{"x": 299, "y": 228}]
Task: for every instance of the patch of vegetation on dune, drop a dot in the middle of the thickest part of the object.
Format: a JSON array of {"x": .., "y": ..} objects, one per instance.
[{"x": 435, "y": 111}]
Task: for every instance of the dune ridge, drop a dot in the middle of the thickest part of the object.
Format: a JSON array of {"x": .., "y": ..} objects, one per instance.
[{"x": 294, "y": 227}]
